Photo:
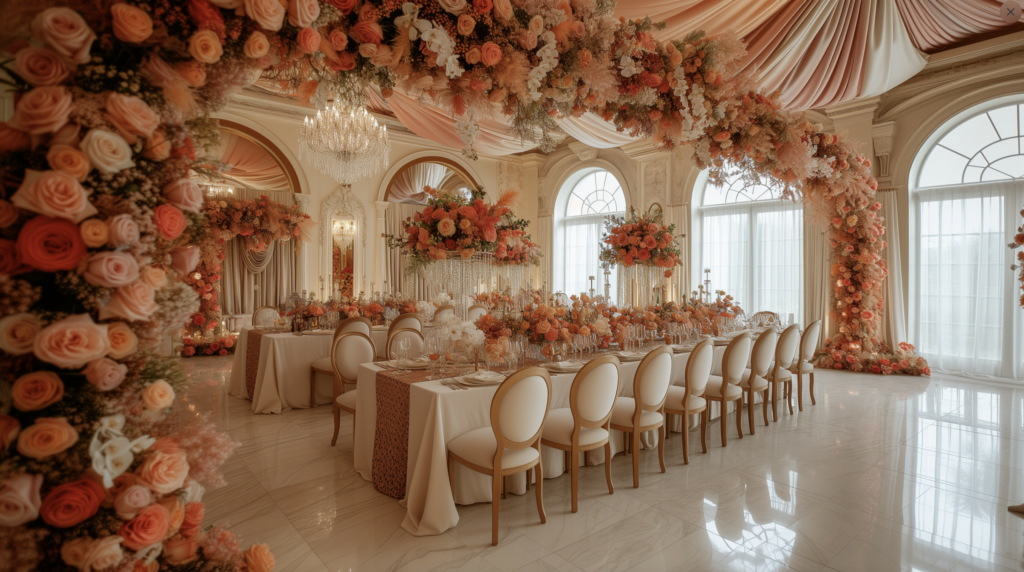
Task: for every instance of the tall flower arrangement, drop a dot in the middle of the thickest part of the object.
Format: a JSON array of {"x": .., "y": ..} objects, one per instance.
[
  {"x": 1018, "y": 241},
  {"x": 640, "y": 240}
]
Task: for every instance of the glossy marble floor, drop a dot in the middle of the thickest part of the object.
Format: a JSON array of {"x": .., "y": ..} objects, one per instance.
[{"x": 884, "y": 473}]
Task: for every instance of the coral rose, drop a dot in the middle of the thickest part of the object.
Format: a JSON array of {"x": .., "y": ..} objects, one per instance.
[
  {"x": 472, "y": 56},
  {"x": 269, "y": 14},
  {"x": 258, "y": 557},
  {"x": 42, "y": 110},
  {"x": 123, "y": 341},
  {"x": 134, "y": 302},
  {"x": 111, "y": 269},
  {"x": 131, "y": 500},
  {"x": 89, "y": 555},
  {"x": 193, "y": 522},
  {"x": 50, "y": 244},
  {"x": 157, "y": 147},
  {"x": 37, "y": 390},
  {"x": 193, "y": 72},
  {"x": 503, "y": 10},
  {"x": 65, "y": 31},
  {"x": 180, "y": 551},
  {"x": 72, "y": 342},
  {"x": 107, "y": 151},
  {"x": 256, "y": 46},
  {"x": 8, "y": 214},
  {"x": 338, "y": 39},
  {"x": 184, "y": 194},
  {"x": 18, "y": 332},
  {"x": 105, "y": 374},
  {"x": 452, "y": 6},
  {"x": 308, "y": 40},
  {"x": 169, "y": 220},
  {"x": 158, "y": 395},
  {"x": 465, "y": 25},
  {"x": 446, "y": 227},
  {"x": 67, "y": 159},
  {"x": 40, "y": 67},
  {"x": 149, "y": 527},
  {"x": 154, "y": 276},
  {"x": 367, "y": 33},
  {"x": 131, "y": 116},
  {"x": 302, "y": 13},
  {"x": 123, "y": 230},
  {"x": 71, "y": 503},
  {"x": 19, "y": 499},
  {"x": 490, "y": 54},
  {"x": 131, "y": 24},
  {"x": 48, "y": 436},
  {"x": 177, "y": 511},
  {"x": 346, "y": 6},
  {"x": 53, "y": 193},
  {"x": 537, "y": 25},
  {"x": 9, "y": 429},
  {"x": 185, "y": 258},
  {"x": 527, "y": 40},
  {"x": 204, "y": 46},
  {"x": 12, "y": 139},
  {"x": 164, "y": 472},
  {"x": 483, "y": 6}
]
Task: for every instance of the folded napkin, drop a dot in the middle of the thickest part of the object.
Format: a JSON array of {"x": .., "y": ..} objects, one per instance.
[
  {"x": 415, "y": 363},
  {"x": 482, "y": 377}
]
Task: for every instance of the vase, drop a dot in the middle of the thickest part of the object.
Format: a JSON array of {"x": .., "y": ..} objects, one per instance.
[
  {"x": 640, "y": 286},
  {"x": 460, "y": 277}
]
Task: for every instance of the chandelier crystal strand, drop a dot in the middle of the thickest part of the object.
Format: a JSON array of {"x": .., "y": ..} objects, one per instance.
[{"x": 344, "y": 142}]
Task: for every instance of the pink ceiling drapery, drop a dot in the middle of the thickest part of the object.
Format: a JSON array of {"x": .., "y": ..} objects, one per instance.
[
  {"x": 936, "y": 24},
  {"x": 251, "y": 165}
]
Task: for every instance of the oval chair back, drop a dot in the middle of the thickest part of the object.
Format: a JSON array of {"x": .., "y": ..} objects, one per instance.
[
  {"x": 650, "y": 384},
  {"x": 764, "y": 352},
  {"x": 349, "y": 351},
  {"x": 444, "y": 313},
  {"x": 406, "y": 322},
  {"x": 809, "y": 341},
  {"x": 698, "y": 367},
  {"x": 264, "y": 316},
  {"x": 734, "y": 362},
  {"x": 475, "y": 311},
  {"x": 519, "y": 408},
  {"x": 415, "y": 341},
  {"x": 785, "y": 350},
  {"x": 358, "y": 325},
  {"x": 592, "y": 393}
]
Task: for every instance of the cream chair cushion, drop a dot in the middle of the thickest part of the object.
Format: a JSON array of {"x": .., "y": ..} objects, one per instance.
[
  {"x": 558, "y": 429},
  {"x": 784, "y": 374},
  {"x": 807, "y": 366},
  {"x": 714, "y": 388},
  {"x": 348, "y": 399},
  {"x": 322, "y": 365},
  {"x": 478, "y": 447},
  {"x": 675, "y": 400},
  {"x": 759, "y": 382},
  {"x": 622, "y": 413}
]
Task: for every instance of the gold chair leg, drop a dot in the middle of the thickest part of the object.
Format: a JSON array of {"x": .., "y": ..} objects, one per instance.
[
  {"x": 574, "y": 470},
  {"x": 685, "y": 426},
  {"x": 775, "y": 405},
  {"x": 739, "y": 416},
  {"x": 634, "y": 444},
  {"x": 608, "y": 466},
  {"x": 312, "y": 388},
  {"x": 813, "y": 402},
  {"x": 800, "y": 391},
  {"x": 495, "y": 502},
  {"x": 539, "y": 472},
  {"x": 789, "y": 394},
  {"x": 662, "y": 434},
  {"x": 337, "y": 424},
  {"x": 750, "y": 410},
  {"x": 764, "y": 406},
  {"x": 504, "y": 490},
  {"x": 586, "y": 458},
  {"x": 704, "y": 428},
  {"x": 725, "y": 409}
]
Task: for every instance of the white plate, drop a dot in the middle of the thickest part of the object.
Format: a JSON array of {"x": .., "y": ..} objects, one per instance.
[
  {"x": 421, "y": 363},
  {"x": 483, "y": 376},
  {"x": 563, "y": 366}
]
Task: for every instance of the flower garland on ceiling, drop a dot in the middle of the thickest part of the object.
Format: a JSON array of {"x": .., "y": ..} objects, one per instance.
[{"x": 97, "y": 468}]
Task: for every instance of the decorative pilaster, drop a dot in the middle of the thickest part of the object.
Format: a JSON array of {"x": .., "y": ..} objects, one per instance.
[{"x": 883, "y": 135}]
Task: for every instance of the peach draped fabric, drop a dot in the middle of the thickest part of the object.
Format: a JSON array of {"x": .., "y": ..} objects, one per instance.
[
  {"x": 251, "y": 165},
  {"x": 936, "y": 24}
]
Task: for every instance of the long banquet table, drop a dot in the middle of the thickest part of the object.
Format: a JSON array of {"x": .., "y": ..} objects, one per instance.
[{"x": 438, "y": 414}]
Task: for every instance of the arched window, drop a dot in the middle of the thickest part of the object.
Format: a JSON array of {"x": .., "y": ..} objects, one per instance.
[
  {"x": 586, "y": 199},
  {"x": 969, "y": 187},
  {"x": 752, "y": 242}
]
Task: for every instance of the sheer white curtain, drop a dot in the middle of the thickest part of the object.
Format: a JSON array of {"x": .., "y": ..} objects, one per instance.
[
  {"x": 967, "y": 317},
  {"x": 415, "y": 286},
  {"x": 895, "y": 324},
  {"x": 581, "y": 253},
  {"x": 755, "y": 253}
]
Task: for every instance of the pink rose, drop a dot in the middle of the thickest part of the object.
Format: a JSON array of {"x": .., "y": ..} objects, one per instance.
[
  {"x": 302, "y": 13},
  {"x": 12, "y": 139},
  {"x": 490, "y": 53},
  {"x": 18, "y": 333},
  {"x": 131, "y": 116},
  {"x": 42, "y": 110},
  {"x": 368, "y": 50},
  {"x": 111, "y": 269},
  {"x": 20, "y": 499},
  {"x": 159, "y": 395},
  {"x": 65, "y": 31},
  {"x": 193, "y": 72},
  {"x": 537, "y": 25},
  {"x": 67, "y": 159},
  {"x": 184, "y": 194},
  {"x": 472, "y": 55},
  {"x": 53, "y": 193},
  {"x": 164, "y": 471},
  {"x": 185, "y": 258},
  {"x": 40, "y": 67},
  {"x": 158, "y": 147},
  {"x": 123, "y": 341},
  {"x": 383, "y": 57},
  {"x": 268, "y": 14},
  {"x": 205, "y": 47},
  {"x": 134, "y": 302},
  {"x": 169, "y": 221},
  {"x": 180, "y": 551},
  {"x": 154, "y": 276},
  {"x": 503, "y": 10},
  {"x": 256, "y": 46},
  {"x": 48, "y": 436},
  {"x": 367, "y": 33},
  {"x": 527, "y": 40},
  {"x": 105, "y": 374},
  {"x": 131, "y": 500},
  {"x": 446, "y": 227},
  {"x": 308, "y": 40},
  {"x": 107, "y": 151},
  {"x": 338, "y": 39},
  {"x": 72, "y": 342},
  {"x": 132, "y": 25},
  {"x": 123, "y": 230},
  {"x": 465, "y": 25}
]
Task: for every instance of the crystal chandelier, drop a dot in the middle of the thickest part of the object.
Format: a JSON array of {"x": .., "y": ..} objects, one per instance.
[{"x": 344, "y": 142}]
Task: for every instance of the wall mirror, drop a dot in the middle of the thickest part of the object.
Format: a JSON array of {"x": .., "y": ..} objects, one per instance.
[
  {"x": 342, "y": 244},
  {"x": 343, "y": 234}
]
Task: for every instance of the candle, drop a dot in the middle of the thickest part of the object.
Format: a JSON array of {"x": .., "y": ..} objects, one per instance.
[{"x": 791, "y": 318}]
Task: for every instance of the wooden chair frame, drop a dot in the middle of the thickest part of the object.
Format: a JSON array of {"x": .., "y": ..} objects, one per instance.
[
  {"x": 774, "y": 381},
  {"x": 766, "y": 313},
  {"x": 443, "y": 308},
  {"x": 397, "y": 320},
  {"x": 637, "y": 429},
  {"x": 496, "y": 473},
  {"x": 750, "y": 382},
  {"x": 340, "y": 381},
  {"x": 729, "y": 379},
  {"x": 257, "y": 311},
  {"x": 313, "y": 370},
  {"x": 574, "y": 449},
  {"x": 685, "y": 412},
  {"x": 391, "y": 335},
  {"x": 475, "y": 306},
  {"x": 815, "y": 326}
]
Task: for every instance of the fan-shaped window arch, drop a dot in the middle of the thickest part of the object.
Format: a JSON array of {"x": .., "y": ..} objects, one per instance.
[
  {"x": 597, "y": 193},
  {"x": 984, "y": 148},
  {"x": 585, "y": 200}
]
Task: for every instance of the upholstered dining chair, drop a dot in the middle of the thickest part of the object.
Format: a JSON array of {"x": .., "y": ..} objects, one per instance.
[
  {"x": 753, "y": 380},
  {"x": 765, "y": 314},
  {"x": 475, "y": 311},
  {"x": 726, "y": 388},
  {"x": 802, "y": 365},
  {"x": 511, "y": 444},
  {"x": 645, "y": 411},
  {"x": 585, "y": 424},
  {"x": 778, "y": 370},
  {"x": 406, "y": 322},
  {"x": 349, "y": 351},
  {"x": 444, "y": 313},
  {"x": 264, "y": 316},
  {"x": 687, "y": 400},
  {"x": 323, "y": 365},
  {"x": 415, "y": 342}
]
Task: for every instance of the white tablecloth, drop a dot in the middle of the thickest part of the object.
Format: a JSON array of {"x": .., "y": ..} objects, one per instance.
[{"x": 282, "y": 377}]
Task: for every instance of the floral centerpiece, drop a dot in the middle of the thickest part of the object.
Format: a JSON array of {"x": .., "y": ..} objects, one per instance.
[
  {"x": 1018, "y": 241},
  {"x": 515, "y": 247},
  {"x": 640, "y": 240}
]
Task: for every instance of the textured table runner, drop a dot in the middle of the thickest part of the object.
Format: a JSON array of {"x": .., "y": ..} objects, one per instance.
[
  {"x": 252, "y": 360},
  {"x": 391, "y": 439}
]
